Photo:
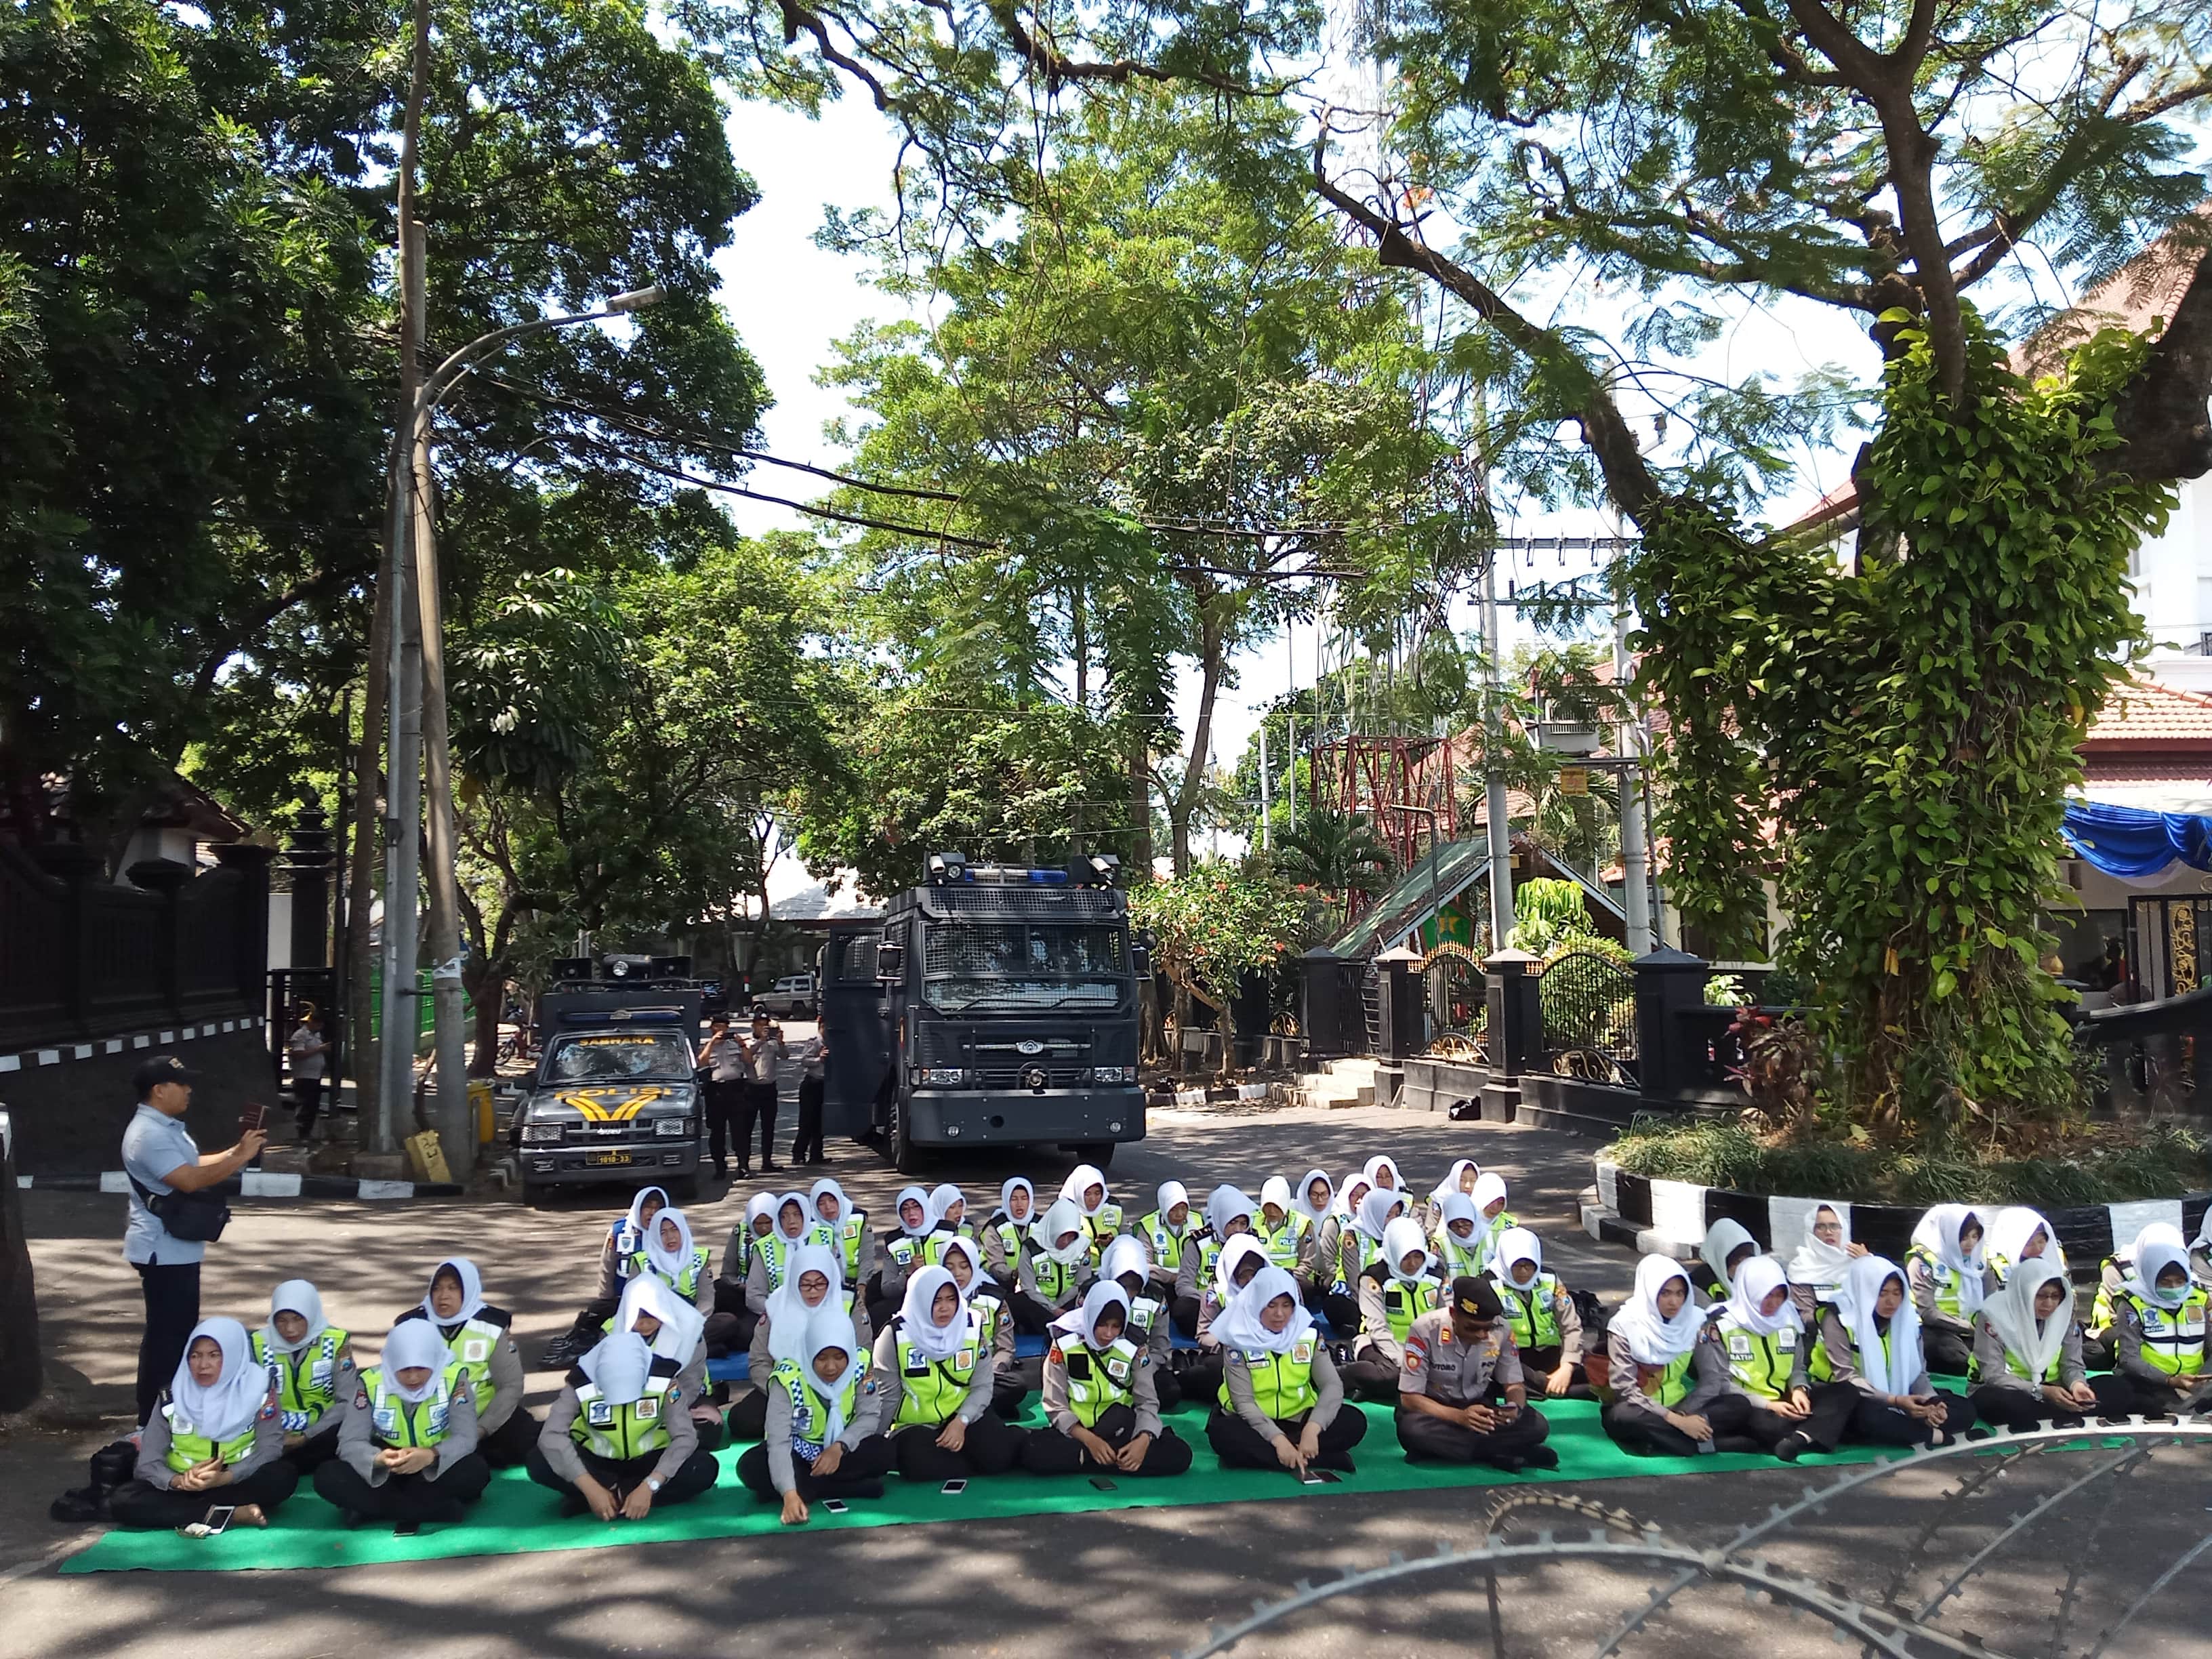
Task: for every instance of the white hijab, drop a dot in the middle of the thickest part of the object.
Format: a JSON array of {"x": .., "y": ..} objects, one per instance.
[
  {"x": 2011, "y": 1314},
  {"x": 786, "y": 1310},
  {"x": 1223, "y": 1204},
  {"x": 1722, "y": 1240},
  {"x": 1515, "y": 1244},
  {"x": 1081, "y": 1321},
  {"x": 669, "y": 1263},
  {"x": 635, "y": 1220},
  {"x": 620, "y": 1364},
  {"x": 929, "y": 1340},
  {"x": 942, "y": 1198},
  {"x": 2009, "y": 1230},
  {"x": 681, "y": 1324},
  {"x": 1343, "y": 1204},
  {"x": 1756, "y": 1280},
  {"x": 1374, "y": 1167},
  {"x": 1065, "y": 1215},
  {"x": 1653, "y": 1339},
  {"x": 1080, "y": 1181},
  {"x": 294, "y": 1295},
  {"x": 1276, "y": 1191},
  {"x": 1459, "y": 1206},
  {"x": 2152, "y": 1257},
  {"x": 1822, "y": 1267},
  {"x": 919, "y": 1195},
  {"x": 965, "y": 1246},
  {"x": 1017, "y": 1184},
  {"x": 471, "y": 1292},
  {"x": 228, "y": 1407},
  {"x": 805, "y": 1216},
  {"x": 1170, "y": 1193},
  {"x": 1238, "y": 1325},
  {"x": 829, "y": 1328},
  {"x": 814, "y": 1201},
  {"x": 413, "y": 1344},
  {"x": 759, "y": 1205},
  {"x": 1855, "y": 1306},
  {"x": 1401, "y": 1239},
  {"x": 1375, "y": 1211},
  {"x": 1937, "y": 1233},
  {"x": 1126, "y": 1255},
  {"x": 1449, "y": 1184},
  {"x": 1489, "y": 1190},
  {"x": 1225, "y": 1265},
  {"x": 2159, "y": 1232},
  {"x": 1314, "y": 1213}
]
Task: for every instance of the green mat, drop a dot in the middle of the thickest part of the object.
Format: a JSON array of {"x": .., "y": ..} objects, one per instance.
[{"x": 515, "y": 1515}]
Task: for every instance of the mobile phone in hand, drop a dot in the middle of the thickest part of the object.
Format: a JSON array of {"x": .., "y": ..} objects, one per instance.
[{"x": 253, "y": 1116}]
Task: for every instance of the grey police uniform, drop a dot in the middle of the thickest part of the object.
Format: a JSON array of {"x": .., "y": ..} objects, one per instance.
[{"x": 1438, "y": 1366}]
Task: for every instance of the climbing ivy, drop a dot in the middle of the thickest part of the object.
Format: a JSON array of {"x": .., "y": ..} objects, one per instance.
[{"x": 1894, "y": 742}]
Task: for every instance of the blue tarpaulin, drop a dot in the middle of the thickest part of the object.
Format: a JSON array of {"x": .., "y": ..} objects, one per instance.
[{"x": 2127, "y": 841}]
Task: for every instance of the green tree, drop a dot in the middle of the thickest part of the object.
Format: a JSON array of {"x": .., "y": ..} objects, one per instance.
[
  {"x": 1213, "y": 925},
  {"x": 1336, "y": 851}
]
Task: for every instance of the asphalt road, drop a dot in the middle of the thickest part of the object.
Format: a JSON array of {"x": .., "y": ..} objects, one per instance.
[{"x": 1135, "y": 1582}]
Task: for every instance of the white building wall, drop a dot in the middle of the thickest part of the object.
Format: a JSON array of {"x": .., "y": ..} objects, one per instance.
[{"x": 2172, "y": 574}]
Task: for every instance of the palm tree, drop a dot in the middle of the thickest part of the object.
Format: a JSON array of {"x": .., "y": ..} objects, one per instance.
[{"x": 1336, "y": 851}]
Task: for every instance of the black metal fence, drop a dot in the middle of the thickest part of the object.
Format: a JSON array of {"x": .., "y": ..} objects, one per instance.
[{"x": 1588, "y": 1005}]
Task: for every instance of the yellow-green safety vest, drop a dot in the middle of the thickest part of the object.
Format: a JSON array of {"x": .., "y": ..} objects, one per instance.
[
  {"x": 1821, "y": 1369},
  {"x": 1102, "y": 1226},
  {"x": 1282, "y": 1383},
  {"x": 2172, "y": 1337},
  {"x": 621, "y": 1432},
  {"x": 1945, "y": 1281},
  {"x": 1055, "y": 1278},
  {"x": 1761, "y": 1364},
  {"x": 686, "y": 1283},
  {"x": 1531, "y": 1310},
  {"x": 473, "y": 1343},
  {"x": 406, "y": 1423},
  {"x": 306, "y": 1381},
  {"x": 1403, "y": 1303},
  {"x": 1112, "y": 1381},
  {"x": 904, "y": 1251},
  {"x": 1167, "y": 1243},
  {"x": 933, "y": 1390},
  {"x": 1144, "y": 1314},
  {"x": 933, "y": 1243},
  {"x": 188, "y": 1447},
  {"x": 1010, "y": 1233},
  {"x": 1459, "y": 1260},
  {"x": 989, "y": 1311},
  {"x": 1668, "y": 1384},
  {"x": 1284, "y": 1243},
  {"x": 2015, "y": 1365},
  {"x": 844, "y": 1237},
  {"x": 775, "y": 1249},
  {"x": 810, "y": 1415},
  {"x": 2101, "y": 1316}
]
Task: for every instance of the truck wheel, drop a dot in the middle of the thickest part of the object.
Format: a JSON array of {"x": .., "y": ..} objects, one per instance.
[
  {"x": 906, "y": 1157},
  {"x": 537, "y": 1197},
  {"x": 1100, "y": 1153}
]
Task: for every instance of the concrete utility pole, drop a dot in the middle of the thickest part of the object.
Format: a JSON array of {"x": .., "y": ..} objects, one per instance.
[
  {"x": 1264, "y": 842},
  {"x": 1500, "y": 827},
  {"x": 1635, "y": 856}
]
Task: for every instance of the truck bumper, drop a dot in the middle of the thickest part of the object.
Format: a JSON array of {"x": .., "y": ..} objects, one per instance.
[
  {"x": 566, "y": 1166},
  {"x": 968, "y": 1117}
]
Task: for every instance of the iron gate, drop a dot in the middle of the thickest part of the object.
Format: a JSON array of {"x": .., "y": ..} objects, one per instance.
[{"x": 1588, "y": 1005}]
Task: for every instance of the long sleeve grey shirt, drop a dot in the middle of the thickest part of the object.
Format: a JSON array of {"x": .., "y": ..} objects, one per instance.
[
  {"x": 565, "y": 1456},
  {"x": 890, "y": 1389},
  {"x": 1843, "y": 1357},
  {"x": 357, "y": 1436},
  {"x": 1328, "y": 1385},
  {"x": 1991, "y": 1371},
  {"x": 155, "y": 1440},
  {"x": 1708, "y": 1377},
  {"x": 759, "y": 1362},
  {"x": 2128, "y": 1348},
  {"x": 867, "y": 1413},
  {"x": 1145, "y": 1397}
]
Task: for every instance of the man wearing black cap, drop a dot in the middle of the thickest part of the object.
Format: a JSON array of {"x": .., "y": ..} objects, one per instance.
[
  {"x": 160, "y": 1155},
  {"x": 1457, "y": 1360}
]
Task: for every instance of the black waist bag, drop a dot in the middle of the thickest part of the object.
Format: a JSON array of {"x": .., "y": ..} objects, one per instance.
[{"x": 189, "y": 1218}]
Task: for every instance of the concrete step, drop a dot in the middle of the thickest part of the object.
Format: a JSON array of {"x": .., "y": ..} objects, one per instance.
[{"x": 1360, "y": 1068}]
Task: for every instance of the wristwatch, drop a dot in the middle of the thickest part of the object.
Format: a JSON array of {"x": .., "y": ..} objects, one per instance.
[{"x": 652, "y": 1483}]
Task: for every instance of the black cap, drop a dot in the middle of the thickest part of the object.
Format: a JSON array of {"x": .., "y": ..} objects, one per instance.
[
  {"x": 162, "y": 1068},
  {"x": 1476, "y": 1298}
]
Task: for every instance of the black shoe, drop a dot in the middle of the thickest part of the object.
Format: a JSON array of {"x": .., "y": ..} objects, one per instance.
[
  {"x": 1793, "y": 1446},
  {"x": 767, "y": 1168},
  {"x": 1543, "y": 1457},
  {"x": 722, "y": 1172},
  {"x": 79, "y": 1505},
  {"x": 1509, "y": 1465},
  {"x": 565, "y": 1350},
  {"x": 743, "y": 1174}
]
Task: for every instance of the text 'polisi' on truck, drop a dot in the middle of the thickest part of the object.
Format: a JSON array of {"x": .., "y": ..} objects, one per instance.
[{"x": 991, "y": 1006}]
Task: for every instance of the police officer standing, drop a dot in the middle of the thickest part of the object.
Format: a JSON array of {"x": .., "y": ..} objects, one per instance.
[{"x": 1459, "y": 1361}]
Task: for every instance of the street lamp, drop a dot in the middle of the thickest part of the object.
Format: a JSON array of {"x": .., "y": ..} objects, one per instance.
[{"x": 404, "y": 803}]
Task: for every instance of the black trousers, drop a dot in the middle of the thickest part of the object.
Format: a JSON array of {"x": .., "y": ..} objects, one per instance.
[
  {"x": 623, "y": 1476},
  {"x": 509, "y": 1445},
  {"x": 1646, "y": 1432},
  {"x": 748, "y": 1419},
  {"x": 807, "y": 1149},
  {"x": 1370, "y": 1376},
  {"x": 2121, "y": 1395},
  {"x": 1009, "y": 1387},
  {"x": 313, "y": 1453},
  {"x": 730, "y": 1328},
  {"x": 992, "y": 1447},
  {"x": 173, "y": 1308},
  {"x": 861, "y": 1466},
  {"x": 1239, "y": 1446},
  {"x": 1508, "y": 1446},
  {"x": 1825, "y": 1425},
  {"x": 307, "y": 1103},
  {"x": 405, "y": 1496},
  {"x": 757, "y": 1105},
  {"x": 1183, "y": 1310},
  {"x": 1200, "y": 1378},
  {"x": 144, "y": 1508},
  {"x": 1050, "y": 1452},
  {"x": 722, "y": 1110},
  {"x": 1030, "y": 1316},
  {"x": 1946, "y": 1350},
  {"x": 1886, "y": 1426},
  {"x": 1341, "y": 1310}
]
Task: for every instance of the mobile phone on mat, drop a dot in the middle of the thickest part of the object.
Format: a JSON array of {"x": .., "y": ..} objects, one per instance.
[
  {"x": 833, "y": 1505},
  {"x": 953, "y": 1488},
  {"x": 219, "y": 1517},
  {"x": 1102, "y": 1483}
]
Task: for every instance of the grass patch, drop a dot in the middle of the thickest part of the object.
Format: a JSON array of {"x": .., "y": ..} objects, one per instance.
[{"x": 2103, "y": 1165}]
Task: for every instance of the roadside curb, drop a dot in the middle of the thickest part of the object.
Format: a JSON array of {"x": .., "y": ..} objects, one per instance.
[{"x": 259, "y": 1184}]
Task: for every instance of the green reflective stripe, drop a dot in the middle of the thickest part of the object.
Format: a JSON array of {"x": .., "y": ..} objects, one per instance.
[{"x": 621, "y": 1432}]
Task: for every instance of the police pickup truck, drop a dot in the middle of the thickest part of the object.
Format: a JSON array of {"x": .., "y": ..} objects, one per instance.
[{"x": 614, "y": 1099}]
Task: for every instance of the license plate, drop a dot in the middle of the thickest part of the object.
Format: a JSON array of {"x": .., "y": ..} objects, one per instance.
[{"x": 606, "y": 1157}]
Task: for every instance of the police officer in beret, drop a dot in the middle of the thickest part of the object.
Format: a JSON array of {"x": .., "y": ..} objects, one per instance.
[{"x": 1462, "y": 1398}]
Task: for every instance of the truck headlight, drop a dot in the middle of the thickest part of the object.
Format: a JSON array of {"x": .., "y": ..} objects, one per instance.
[
  {"x": 541, "y": 1135},
  {"x": 669, "y": 1128},
  {"x": 1113, "y": 1074},
  {"x": 939, "y": 1077}
]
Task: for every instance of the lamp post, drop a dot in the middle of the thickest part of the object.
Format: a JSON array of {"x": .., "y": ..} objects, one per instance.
[{"x": 402, "y": 872}]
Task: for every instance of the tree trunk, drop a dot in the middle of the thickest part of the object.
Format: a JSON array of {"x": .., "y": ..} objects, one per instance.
[
  {"x": 361, "y": 1048},
  {"x": 487, "y": 987},
  {"x": 1226, "y": 1025}
]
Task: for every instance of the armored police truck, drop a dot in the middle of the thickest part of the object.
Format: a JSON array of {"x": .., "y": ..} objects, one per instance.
[
  {"x": 614, "y": 1099},
  {"x": 991, "y": 1006}
]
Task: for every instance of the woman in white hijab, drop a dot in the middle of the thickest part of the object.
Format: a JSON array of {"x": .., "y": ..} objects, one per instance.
[
  {"x": 481, "y": 1337},
  {"x": 1820, "y": 1265},
  {"x": 1085, "y": 1188},
  {"x": 994, "y": 1325},
  {"x": 839, "y": 1222},
  {"x": 1279, "y": 1226},
  {"x": 1058, "y": 1260},
  {"x": 619, "y": 1441},
  {"x": 1229, "y": 1213},
  {"x": 1669, "y": 1385},
  {"x": 1396, "y": 1288},
  {"x": 1315, "y": 1198},
  {"x": 674, "y": 1331},
  {"x": 2027, "y": 1353},
  {"x": 1546, "y": 1326},
  {"x": 811, "y": 1284},
  {"x": 1382, "y": 1171},
  {"x": 1282, "y": 1403},
  {"x": 2113, "y": 1273},
  {"x": 1099, "y": 1398},
  {"x": 1002, "y": 1236},
  {"x": 899, "y": 1253},
  {"x": 1333, "y": 1265},
  {"x": 1458, "y": 1237},
  {"x": 1869, "y": 1337},
  {"x": 948, "y": 1219},
  {"x": 407, "y": 1450},
  {"x": 1729, "y": 1244},
  {"x": 1764, "y": 1345},
  {"x": 671, "y": 1255},
  {"x": 824, "y": 1418},
  {"x": 620, "y": 1260},
  {"x": 2017, "y": 1234},
  {"x": 214, "y": 1440},
  {"x": 310, "y": 1361},
  {"x": 1945, "y": 1271},
  {"x": 1242, "y": 1257},
  {"x": 769, "y": 1263},
  {"x": 936, "y": 1375},
  {"x": 1129, "y": 1264},
  {"x": 1168, "y": 1234},
  {"x": 2159, "y": 1335},
  {"x": 1460, "y": 1178},
  {"x": 730, "y": 1326}
]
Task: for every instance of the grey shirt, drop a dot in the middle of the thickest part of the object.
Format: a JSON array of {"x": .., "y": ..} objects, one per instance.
[
  {"x": 1374, "y": 1334},
  {"x": 1991, "y": 1371},
  {"x": 892, "y": 1390},
  {"x": 1708, "y": 1377},
  {"x": 358, "y": 1435},
  {"x": 1145, "y": 1397},
  {"x": 1923, "y": 1287},
  {"x": 154, "y": 1144},
  {"x": 867, "y": 1412},
  {"x": 1843, "y": 1357},
  {"x": 1440, "y": 1366},
  {"x": 2128, "y": 1344},
  {"x": 566, "y": 1458},
  {"x": 1237, "y": 1376},
  {"x": 1001, "y": 1262},
  {"x": 153, "y": 1442}
]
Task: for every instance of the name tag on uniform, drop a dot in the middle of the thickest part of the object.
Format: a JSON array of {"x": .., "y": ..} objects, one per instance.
[
  {"x": 318, "y": 1374},
  {"x": 476, "y": 1351},
  {"x": 1739, "y": 1345},
  {"x": 648, "y": 1408},
  {"x": 2193, "y": 1325},
  {"x": 388, "y": 1421},
  {"x": 599, "y": 1414}
]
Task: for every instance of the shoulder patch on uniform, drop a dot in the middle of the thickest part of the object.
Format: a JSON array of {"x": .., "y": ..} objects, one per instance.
[
  {"x": 415, "y": 1312},
  {"x": 1056, "y": 1356},
  {"x": 1232, "y": 1356},
  {"x": 869, "y": 1387},
  {"x": 361, "y": 1397}
]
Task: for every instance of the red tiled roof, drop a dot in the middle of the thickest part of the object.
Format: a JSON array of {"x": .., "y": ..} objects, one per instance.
[{"x": 2146, "y": 715}]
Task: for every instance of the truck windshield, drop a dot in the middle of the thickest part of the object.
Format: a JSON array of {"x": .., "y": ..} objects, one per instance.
[
  {"x": 974, "y": 966},
  {"x": 619, "y": 1058}
]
